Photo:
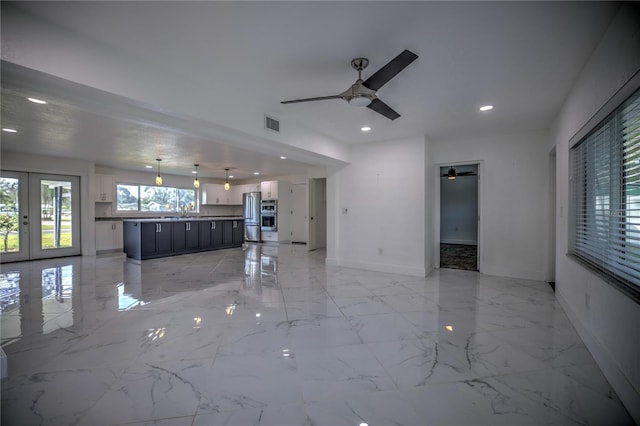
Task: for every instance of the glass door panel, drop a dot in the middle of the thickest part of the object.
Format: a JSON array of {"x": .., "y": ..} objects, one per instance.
[
  {"x": 55, "y": 204},
  {"x": 56, "y": 215},
  {"x": 14, "y": 229}
]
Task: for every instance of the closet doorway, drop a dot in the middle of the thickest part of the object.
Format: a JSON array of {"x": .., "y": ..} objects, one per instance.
[{"x": 459, "y": 217}]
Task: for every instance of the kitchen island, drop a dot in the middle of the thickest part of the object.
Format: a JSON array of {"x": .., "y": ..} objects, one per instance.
[{"x": 152, "y": 238}]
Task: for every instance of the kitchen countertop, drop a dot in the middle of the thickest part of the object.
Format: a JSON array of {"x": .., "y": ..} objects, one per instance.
[{"x": 182, "y": 219}]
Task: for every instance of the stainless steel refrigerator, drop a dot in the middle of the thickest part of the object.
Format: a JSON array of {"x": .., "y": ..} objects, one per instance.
[{"x": 251, "y": 209}]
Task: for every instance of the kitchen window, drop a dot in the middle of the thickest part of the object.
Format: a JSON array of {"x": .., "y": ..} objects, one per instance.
[
  {"x": 605, "y": 186},
  {"x": 145, "y": 198}
]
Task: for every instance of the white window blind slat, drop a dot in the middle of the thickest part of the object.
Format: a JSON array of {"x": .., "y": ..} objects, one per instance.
[{"x": 605, "y": 185}]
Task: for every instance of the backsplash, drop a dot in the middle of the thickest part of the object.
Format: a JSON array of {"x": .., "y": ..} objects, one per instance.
[{"x": 104, "y": 210}]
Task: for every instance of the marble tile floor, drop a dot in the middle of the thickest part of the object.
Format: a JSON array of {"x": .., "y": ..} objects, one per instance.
[{"x": 273, "y": 336}]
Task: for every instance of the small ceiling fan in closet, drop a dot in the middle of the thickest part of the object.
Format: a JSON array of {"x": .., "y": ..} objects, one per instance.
[
  {"x": 363, "y": 93},
  {"x": 452, "y": 174}
]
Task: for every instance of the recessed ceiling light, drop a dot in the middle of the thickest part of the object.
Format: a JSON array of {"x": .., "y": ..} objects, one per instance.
[
  {"x": 256, "y": 173},
  {"x": 365, "y": 129},
  {"x": 194, "y": 171},
  {"x": 486, "y": 108},
  {"x": 282, "y": 157},
  {"x": 230, "y": 176},
  {"x": 149, "y": 167},
  {"x": 37, "y": 101},
  {"x": 8, "y": 130}
]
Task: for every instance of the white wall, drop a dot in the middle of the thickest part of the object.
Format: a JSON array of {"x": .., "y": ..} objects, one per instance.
[
  {"x": 383, "y": 192},
  {"x": 512, "y": 198},
  {"x": 608, "y": 324},
  {"x": 459, "y": 207}
]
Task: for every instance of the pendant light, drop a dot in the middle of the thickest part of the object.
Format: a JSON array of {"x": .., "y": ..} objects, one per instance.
[
  {"x": 158, "y": 178},
  {"x": 227, "y": 186},
  {"x": 451, "y": 174},
  {"x": 196, "y": 182}
]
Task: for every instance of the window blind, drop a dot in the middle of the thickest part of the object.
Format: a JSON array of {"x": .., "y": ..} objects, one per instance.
[{"x": 605, "y": 183}]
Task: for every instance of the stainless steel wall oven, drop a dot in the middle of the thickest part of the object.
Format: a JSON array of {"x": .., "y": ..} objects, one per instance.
[{"x": 269, "y": 215}]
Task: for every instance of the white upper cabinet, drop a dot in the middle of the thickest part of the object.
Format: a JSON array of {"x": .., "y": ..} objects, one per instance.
[
  {"x": 269, "y": 190},
  {"x": 215, "y": 194},
  {"x": 104, "y": 188}
]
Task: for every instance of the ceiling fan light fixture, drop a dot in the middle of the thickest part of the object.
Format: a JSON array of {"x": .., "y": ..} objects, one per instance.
[
  {"x": 360, "y": 101},
  {"x": 158, "y": 178},
  {"x": 451, "y": 174}
]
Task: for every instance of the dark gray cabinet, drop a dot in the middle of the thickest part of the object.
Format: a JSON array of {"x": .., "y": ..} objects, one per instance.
[
  {"x": 147, "y": 240},
  {"x": 238, "y": 232},
  {"x": 186, "y": 236},
  {"x": 211, "y": 234}
]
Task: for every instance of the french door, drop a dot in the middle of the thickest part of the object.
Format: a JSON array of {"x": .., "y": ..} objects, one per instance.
[{"x": 39, "y": 216}]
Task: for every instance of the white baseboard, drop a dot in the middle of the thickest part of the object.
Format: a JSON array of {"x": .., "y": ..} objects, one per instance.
[
  {"x": 625, "y": 390},
  {"x": 378, "y": 267}
]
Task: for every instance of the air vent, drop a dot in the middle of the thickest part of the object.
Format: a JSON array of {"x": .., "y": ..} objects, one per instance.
[{"x": 271, "y": 123}]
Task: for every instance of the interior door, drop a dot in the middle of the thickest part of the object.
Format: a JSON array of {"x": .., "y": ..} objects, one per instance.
[
  {"x": 299, "y": 214},
  {"x": 312, "y": 242},
  {"x": 14, "y": 216}
]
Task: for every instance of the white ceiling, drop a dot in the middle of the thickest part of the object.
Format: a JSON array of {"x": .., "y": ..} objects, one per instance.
[{"x": 230, "y": 62}]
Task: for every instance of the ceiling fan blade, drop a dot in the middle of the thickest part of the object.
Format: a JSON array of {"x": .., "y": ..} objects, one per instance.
[
  {"x": 381, "y": 108},
  {"x": 387, "y": 72},
  {"x": 312, "y": 99}
]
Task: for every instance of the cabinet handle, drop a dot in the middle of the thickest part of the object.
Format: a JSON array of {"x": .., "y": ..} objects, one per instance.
[
  {"x": 214, "y": 225},
  {"x": 159, "y": 227}
]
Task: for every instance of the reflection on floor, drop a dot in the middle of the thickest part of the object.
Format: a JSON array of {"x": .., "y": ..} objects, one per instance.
[
  {"x": 459, "y": 256},
  {"x": 273, "y": 336}
]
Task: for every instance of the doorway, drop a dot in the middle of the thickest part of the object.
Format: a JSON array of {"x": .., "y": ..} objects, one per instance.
[
  {"x": 300, "y": 207},
  {"x": 39, "y": 216},
  {"x": 317, "y": 213},
  {"x": 459, "y": 217}
]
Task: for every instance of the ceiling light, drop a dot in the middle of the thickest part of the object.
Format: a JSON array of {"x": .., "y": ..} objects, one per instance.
[
  {"x": 486, "y": 108},
  {"x": 360, "y": 101},
  {"x": 256, "y": 173},
  {"x": 37, "y": 101},
  {"x": 149, "y": 167},
  {"x": 451, "y": 174},
  {"x": 158, "y": 178},
  {"x": 196, "y": 182},
  {"x": 365, "y": 129},
  {"x": 8, "y": 130},
  {"x": 282, "y": 157},
  {"x": 227, "y": 186},
  {"x": 231, "y": 176}
]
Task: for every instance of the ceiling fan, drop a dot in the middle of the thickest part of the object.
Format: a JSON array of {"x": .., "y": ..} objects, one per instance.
[
  {"x": 363, "y": 93},
  {"x": 452, "y": 174}
]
